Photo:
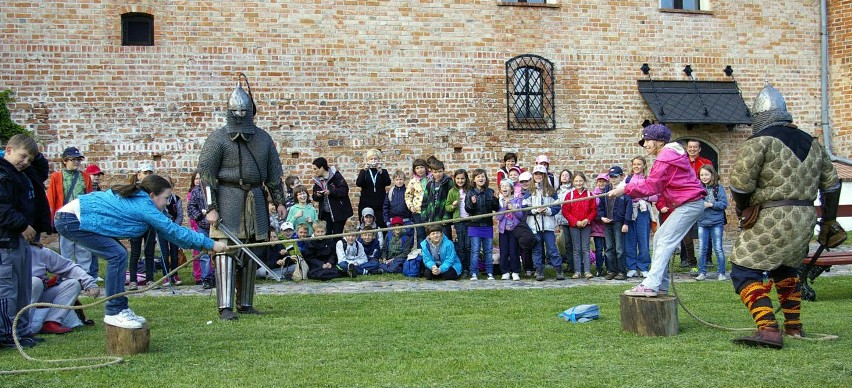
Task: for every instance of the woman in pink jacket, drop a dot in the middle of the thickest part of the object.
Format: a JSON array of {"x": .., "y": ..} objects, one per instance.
[{"x": 672, "y": 177}]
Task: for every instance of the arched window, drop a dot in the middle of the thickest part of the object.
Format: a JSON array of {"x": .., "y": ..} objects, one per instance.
[
  {"x": 529, "y": 93},
  {"x": 137, "y": 29}
]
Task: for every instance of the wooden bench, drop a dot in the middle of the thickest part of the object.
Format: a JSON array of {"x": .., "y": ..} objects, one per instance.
[
  {"x": 825, "y": 260},
  {"x": 823, "y": 264}
]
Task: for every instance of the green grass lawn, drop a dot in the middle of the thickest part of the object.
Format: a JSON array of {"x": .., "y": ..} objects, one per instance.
[{"x": 470, "y": 338}]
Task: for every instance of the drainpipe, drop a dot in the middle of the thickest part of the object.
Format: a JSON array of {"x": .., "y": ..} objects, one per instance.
[{"x": 826, "y": 126}]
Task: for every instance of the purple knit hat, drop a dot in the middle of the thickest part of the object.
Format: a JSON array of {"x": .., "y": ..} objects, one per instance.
[{"x": 656, "y": 132}]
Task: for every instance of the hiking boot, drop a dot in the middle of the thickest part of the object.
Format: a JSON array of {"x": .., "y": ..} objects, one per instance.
[
  {"x": 227, "y": 315},
  {"x": 609, "y": 276},
  {"x": 352, "y": 271},
  {"x": 589, "y": 275},
  {"x": 249, "y": 310},
  {"x": 620, "y": 276},
  {"x": 539, "y": 275},
  {"x": 560, "y": 276},
  {"x": 51, "y": 327},
  {"x": 641, "y": 290},
  {"x": 767, "y": 337},
  {"x": 132, "y": 286}
]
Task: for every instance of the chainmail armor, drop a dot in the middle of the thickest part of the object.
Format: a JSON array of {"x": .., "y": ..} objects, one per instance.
[{"x": 770, "y": 118}]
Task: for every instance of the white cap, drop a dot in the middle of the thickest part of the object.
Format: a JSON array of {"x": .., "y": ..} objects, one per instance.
[
  {"x": 539, "y": 169},
  {"x": 525, "y": 176},
  {"x": 542, "y": 159},
  {"x": 287, "y": 225},
  {"x": 146, "y": 166}
]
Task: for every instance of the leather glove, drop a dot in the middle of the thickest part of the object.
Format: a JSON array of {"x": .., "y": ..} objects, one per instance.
[
  {"x": 831, "y": 234},
  {"x": 741, "y": 200}
]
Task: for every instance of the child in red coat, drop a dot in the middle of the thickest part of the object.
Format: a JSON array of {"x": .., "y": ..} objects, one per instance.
[{"x": 580, "y": 215}]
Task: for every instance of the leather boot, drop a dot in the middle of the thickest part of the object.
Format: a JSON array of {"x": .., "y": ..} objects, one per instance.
[
  {"x": 248, "y": 310},
  {"x": 767, "y": 337},
  {"x": 794, "y": 332}
]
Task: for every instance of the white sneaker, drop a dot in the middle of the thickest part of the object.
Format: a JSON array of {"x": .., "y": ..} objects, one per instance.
[
  {"x": 473, "y": 277},
  {"x": 505, "y": 276},
  {"x": 700, "y": 277},
  {"x": 722, "y": 277},
  {"x": 490, "y": 277},
  {"x": 124, "y": 319},
  {"x": 99, "y": 279},
  {"x": 516, "y": 276},
  {"x": 643, "y": 274},
  {"x": 631, "y": 273}
]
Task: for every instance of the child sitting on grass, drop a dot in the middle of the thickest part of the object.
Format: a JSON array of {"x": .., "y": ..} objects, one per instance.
[
  {"x": 350, "y": 253},
  {"x": 397, "y": 247},
  {"x": 439, "y": 255}
]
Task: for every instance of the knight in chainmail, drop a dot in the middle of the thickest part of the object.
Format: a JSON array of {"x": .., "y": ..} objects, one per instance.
[
  {"x": 779, "y": 169},
  {"x": 238, "y": 163}
]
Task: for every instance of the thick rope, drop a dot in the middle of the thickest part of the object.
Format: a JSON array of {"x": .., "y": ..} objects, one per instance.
[{"x": 103, "y": 360}]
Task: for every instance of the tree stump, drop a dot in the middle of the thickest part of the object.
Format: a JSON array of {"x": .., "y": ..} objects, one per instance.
[
  {"x": 121, "y": 341},
  {"x": 649, "y": 316}
]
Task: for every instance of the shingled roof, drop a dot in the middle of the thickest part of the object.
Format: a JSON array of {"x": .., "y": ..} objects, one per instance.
[{"x": 695, "y": 102}]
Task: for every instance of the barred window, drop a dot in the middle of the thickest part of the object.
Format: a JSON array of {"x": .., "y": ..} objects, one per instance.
[
  {"x": 137, "y": 29},
  {"x": 529, "y": 93}
]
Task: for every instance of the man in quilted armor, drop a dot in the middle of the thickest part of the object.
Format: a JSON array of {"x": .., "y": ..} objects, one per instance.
[
  {"x": 238, "y": 163},
  {"x": 779, "y": 169}
]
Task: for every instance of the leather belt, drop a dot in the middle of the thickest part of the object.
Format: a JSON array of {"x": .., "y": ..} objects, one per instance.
[
  {"x": 786, "y": 202},
  {"x": 244, "y": 186}
]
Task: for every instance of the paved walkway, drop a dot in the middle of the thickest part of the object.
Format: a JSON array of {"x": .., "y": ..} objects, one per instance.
[{"x": 380, "y": 283}]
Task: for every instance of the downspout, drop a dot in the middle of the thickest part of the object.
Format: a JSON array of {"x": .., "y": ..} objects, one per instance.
[{"x": 826, "y": 126}]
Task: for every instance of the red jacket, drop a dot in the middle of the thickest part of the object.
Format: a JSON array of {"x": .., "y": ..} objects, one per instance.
[
  {"x": 56, "y": 192},
  {"x": 698, "y": 162},
  {"x": 581, "y": 210}
]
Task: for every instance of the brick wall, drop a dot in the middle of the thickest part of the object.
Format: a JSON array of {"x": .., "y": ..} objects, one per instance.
[
  {"x": 840, "y": 75},
  {"x": 411, "y": 78}
]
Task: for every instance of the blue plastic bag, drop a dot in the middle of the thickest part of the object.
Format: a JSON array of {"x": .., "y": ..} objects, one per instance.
[{"x": 581, "y": 314}]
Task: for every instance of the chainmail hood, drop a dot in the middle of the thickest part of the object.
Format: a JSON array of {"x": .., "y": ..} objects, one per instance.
[{"x": 769, "y": 109}]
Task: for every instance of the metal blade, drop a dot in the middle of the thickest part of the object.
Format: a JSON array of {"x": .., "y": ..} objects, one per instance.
[{"x": 247, "y": 251}]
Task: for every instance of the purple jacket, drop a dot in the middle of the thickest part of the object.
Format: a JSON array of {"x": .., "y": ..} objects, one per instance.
[
  {"x": 671, "y": 176},
  {"x": 508, "y": 221}
]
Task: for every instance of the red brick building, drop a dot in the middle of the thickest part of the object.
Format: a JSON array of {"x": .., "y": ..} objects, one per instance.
[{"x": 411, "y": 78}]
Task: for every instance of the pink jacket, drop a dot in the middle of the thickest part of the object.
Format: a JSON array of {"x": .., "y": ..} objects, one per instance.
[{"x": 671, "y": 176}]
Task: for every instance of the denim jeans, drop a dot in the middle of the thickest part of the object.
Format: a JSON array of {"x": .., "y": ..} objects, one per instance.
[
  {"x": 705, "y": 234},
  {"x": 600, "y": 247},
  {"x": 510, "y": 259},
  {"x": 463, "y": 247},
  {"x": 109, "y": 248},
  {"x": 487, "y": 248},
  {"x": 204, "y": 259},
  {"x": 77, "y": 254},
  {"x": 580, "y": 238},
  {"x": 667, "y": 239},
  {"x": 549, "y": 241},
  {"x": 637, "y": 242},
  {"x": 615, "y": 261}
]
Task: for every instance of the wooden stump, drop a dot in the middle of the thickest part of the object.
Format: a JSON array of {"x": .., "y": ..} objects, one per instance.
[
  {"x": 649, "y": 316},
  {"x": 121, "y": 341}
]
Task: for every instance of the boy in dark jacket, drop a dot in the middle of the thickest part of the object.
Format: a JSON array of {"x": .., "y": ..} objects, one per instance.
[
  {"x": 435, "y": 197},
  {"x": 612, "y": 212},
  {"x": 321, "y": 255},
  {"x": 17, "y": 215},
  {"x": 373, "y": 250},
  {"x": 397, "y": 247},
  {"x": 395, "y": 205}
]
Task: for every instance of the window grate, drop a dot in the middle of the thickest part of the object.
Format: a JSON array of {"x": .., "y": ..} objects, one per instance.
[{"x": 529, "y": 93}]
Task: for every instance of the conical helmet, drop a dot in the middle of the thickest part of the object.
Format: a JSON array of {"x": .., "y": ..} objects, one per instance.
[
  {"x": 769, "y": 109},
  {"x": 240, "y": 100}
]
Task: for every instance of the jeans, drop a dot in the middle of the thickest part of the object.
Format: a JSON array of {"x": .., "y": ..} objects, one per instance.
[
  {"x": 204, "y": 259},
  {"x": 637, "y": 242},
  {"x": 600, "y": 247},
  {"x": 580, "y": 238},
  {"x": 548, "y": 239},
  {"x": 135, "y": 250},
  {"x": 16, "y": 272},
  {"x": 510, "y": 259},
  {"x": 487, "y": 245},
  {"x": 615, "y": 260},
  {"x": 667, "y": 239},
  {"x": 463, "y": 247},
  {"x": 704, "y": 238},
  {"x": 109, "y": 248}
]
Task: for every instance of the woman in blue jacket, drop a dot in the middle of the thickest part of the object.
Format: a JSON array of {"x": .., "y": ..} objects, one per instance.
[
  {"x": 96, "y": 221},
  {"x": 439, "y": 255},
  {"x": 711, "y": 223}
]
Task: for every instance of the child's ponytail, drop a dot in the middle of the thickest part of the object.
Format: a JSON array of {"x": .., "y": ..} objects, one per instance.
[{"x": 151, "y": 184}]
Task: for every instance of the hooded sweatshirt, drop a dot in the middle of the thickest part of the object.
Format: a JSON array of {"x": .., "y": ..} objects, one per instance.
[{"x": 671, "y": 176}]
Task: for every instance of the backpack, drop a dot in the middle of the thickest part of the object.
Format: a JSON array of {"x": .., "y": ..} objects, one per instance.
[
  {"x": 301, "y": 270},
  {"x": 413, "y": 266}
]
